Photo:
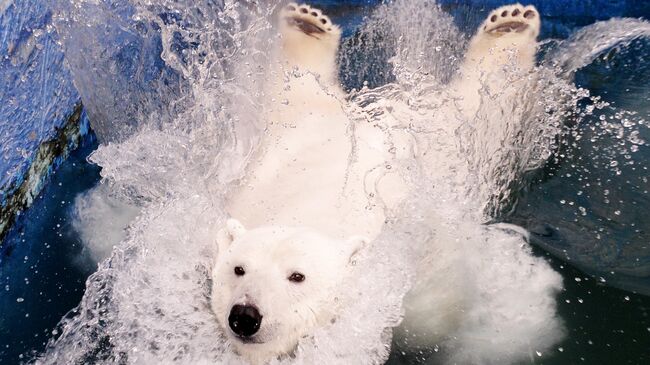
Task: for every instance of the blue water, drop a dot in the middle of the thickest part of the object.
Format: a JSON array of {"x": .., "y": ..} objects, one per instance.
[
  {"x": 613, "y": 233},
  {"x": 607, "y": 272},
  {"x": 43, "y": 271}
]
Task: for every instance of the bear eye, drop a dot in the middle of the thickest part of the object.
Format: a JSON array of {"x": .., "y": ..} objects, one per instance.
[
  {"x": 297, "y": 277},
  {"x": 239, "y": 271}
]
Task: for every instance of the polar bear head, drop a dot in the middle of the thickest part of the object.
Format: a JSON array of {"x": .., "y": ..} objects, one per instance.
[{"x": 272, "y": 285}]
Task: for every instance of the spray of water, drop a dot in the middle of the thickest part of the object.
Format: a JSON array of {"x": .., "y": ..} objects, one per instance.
[{"x": 181, "y": 120}]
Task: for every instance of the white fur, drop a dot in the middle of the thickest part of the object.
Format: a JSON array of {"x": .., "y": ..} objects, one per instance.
[
  {"x": 269, "y": 255},
  {"x": 316, "y": 168}
]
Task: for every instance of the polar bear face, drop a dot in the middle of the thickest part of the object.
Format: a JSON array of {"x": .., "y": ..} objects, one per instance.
[{"x": 272, "y": 285}]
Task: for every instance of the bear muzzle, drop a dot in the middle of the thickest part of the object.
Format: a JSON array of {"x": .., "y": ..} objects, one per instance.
[{"x": 244, "y": 320}]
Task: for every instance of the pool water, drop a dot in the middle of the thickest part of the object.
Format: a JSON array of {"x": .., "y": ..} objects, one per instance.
[
  {"x": 605, "y": 303},
  {"x": 45, "y": 268}
]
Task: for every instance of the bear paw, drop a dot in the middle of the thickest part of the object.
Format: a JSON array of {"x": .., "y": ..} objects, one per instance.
[
  {"x": 512, "y": 19},
  {"x": 308, "y": 20}
]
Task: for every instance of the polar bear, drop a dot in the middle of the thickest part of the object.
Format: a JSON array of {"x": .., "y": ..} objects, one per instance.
[
  {"x": 275, "y": 284},
  {"x": 320, "y": 170}
]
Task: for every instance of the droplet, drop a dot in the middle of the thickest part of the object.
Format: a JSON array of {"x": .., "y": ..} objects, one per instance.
[{"x": 20, "y": 300}]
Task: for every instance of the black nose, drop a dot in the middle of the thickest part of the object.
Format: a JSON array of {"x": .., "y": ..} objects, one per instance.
[{"x": 244, "y": 320}]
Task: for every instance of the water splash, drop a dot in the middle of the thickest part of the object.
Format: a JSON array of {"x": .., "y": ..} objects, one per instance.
[
  {"x": 583, "y": 47},
  {"x": 588, "y": 201},
  {"x": 149, "y": 301},
  {"x": 178, "y": 146}
]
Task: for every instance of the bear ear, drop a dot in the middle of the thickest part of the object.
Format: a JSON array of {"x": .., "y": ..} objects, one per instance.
[
  {"x": 229, "y": 233},
  {"x": 354, "y": 245}
]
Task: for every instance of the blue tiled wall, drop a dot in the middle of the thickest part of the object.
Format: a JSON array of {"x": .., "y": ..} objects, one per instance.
[{"x": 36, "y": 91}]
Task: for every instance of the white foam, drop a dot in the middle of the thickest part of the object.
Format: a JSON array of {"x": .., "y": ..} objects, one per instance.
[{"x": 102, "y": 221}]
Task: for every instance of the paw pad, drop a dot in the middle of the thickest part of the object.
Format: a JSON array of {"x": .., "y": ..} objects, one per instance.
[
  {"x": 511, "y": 19},
  {"x": 308, "y": 20}
]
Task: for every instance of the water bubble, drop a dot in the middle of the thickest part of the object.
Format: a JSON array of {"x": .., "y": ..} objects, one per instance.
[{"x": 20, "y": 300}]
